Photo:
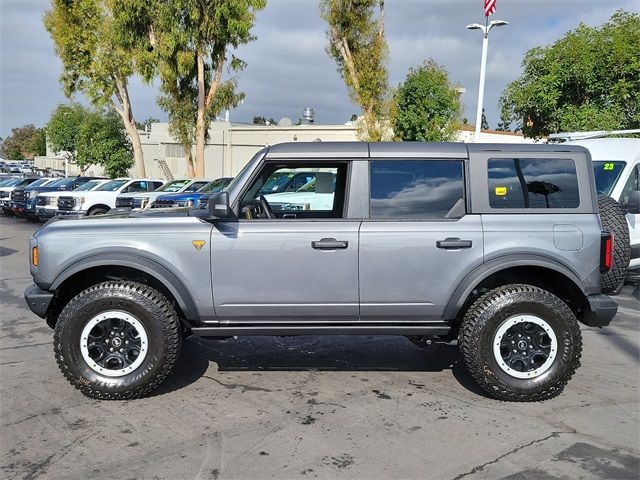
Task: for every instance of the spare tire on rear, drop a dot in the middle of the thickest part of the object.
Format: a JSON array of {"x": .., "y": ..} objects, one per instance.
[{"x": 614, "y": 221}]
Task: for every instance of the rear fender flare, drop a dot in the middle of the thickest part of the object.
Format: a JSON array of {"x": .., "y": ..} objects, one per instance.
[{"x": 473, "y": 278}]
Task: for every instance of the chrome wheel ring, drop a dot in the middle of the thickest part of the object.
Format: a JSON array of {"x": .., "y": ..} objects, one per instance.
[
  {"x": 525, "y": 346},
  {"x": 114, "y": 343}
]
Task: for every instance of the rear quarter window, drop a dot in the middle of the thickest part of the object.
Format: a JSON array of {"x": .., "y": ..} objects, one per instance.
[{"x": 537, "y": 183}]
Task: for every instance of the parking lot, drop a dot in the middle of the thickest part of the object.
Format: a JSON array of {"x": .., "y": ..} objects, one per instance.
[{"x": 311, "y": 407}]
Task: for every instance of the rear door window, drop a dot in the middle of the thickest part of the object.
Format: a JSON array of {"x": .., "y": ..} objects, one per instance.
[
  {"x": 417, "y": 189},
  {"x": 533, "y": 183}
]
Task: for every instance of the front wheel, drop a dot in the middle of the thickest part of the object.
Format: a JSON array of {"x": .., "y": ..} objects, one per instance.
[
  {"x": 117, "y": 340},
  {"x": 97, "y": 211},
  {"x": 520, "y": 343}
]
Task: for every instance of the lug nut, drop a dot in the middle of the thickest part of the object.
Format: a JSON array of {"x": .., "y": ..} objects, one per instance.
[
  {"x": 111, "y": 349},
  {"x": 126, "y": 342},
  {"x": 121, "y": 350}
]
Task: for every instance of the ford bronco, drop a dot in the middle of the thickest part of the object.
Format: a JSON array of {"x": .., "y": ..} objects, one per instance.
[{"x": 498, "y": 247}]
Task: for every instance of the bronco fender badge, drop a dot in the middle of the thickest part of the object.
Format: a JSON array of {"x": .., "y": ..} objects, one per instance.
[{"x": 198, "y": 244}]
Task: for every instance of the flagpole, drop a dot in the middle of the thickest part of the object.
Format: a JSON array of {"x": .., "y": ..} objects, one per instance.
[{"x": 483, "y": 73}]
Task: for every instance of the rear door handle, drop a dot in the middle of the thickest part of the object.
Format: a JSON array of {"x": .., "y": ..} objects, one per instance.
[
  {"x": 453, "y": 243},
  {"x": 329, "y": 244}
]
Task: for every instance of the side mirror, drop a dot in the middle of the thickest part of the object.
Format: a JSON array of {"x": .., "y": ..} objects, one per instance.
[
  {"x": 633, "y": 204},
  {"x": 218, "y": 205}
]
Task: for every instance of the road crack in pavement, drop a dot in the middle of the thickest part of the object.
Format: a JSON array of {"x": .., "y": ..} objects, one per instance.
[
  {"x": 231, "y": 386},
  {"x": 25, "y": 346},
  {"x": 481, "y": 468}
]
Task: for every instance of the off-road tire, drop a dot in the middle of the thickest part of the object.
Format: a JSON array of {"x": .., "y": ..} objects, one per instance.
[
  {"x": 484, "y": 318},
  {"x": 155, "y": 313},
  {"x": 614, "y": 221}
]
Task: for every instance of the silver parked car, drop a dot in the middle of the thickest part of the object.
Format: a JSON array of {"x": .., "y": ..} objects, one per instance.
[{"x": 497, "y": 247}]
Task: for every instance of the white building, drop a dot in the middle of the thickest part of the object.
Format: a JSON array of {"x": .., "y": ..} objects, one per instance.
[{"x": 231, "y": 146}]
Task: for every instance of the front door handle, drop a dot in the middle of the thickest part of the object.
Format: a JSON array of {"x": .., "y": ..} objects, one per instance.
[
  {"x": 453, "y": 243},
  {"x": 329, "y": 244}
]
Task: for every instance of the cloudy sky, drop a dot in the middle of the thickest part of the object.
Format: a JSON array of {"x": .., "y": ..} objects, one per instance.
[{"x": 288, "y": 68}]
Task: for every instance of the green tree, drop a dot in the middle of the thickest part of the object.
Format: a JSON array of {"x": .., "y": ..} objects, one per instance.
[
  {"x": 358, "y": 46},
  {"x": 62, "y": 129},
  {"x": 259, "y": 120},
  {"x": 587, "y": 80},
  {"x": 192, "y": 43},
  {"x": 102, "y": 141},
  {"x": 25, "y": 142},
  {"x": 147, "y": 123},
  {"x": 97, "y": 58},
  {"x": 427, "y": 106}
]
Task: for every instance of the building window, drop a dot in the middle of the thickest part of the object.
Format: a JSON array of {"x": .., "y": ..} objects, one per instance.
[{"x": 174, "y": 150}]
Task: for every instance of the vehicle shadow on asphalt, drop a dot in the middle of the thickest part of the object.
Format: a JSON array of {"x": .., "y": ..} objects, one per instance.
[{"x": 314, "y": 353}]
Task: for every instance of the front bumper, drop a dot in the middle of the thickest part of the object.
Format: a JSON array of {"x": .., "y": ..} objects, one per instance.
[
  {"x": 602, "y": 310},
  {"x": 38, "y": 300},
  {"x": 46, "y": 212},
  {"x": 65, "y": 213}
]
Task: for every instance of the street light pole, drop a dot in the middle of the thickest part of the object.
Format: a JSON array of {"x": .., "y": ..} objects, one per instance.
[{"x": 485, "y": 29}]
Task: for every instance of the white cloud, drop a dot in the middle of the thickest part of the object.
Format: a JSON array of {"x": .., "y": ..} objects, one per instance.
[{"x": 288, "y": 68}]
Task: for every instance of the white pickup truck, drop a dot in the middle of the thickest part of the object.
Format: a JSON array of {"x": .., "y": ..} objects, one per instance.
[
  {"x": 103, "y": 198},
  {"x": 47, "y": 202},
  {"x": 616, "y": 165}
]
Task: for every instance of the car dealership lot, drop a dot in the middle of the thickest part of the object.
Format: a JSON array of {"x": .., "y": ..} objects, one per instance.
[{"x": 325, "y": 407}]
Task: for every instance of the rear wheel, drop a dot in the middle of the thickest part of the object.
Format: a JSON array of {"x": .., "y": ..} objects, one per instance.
[
  {"x": 520, "y": 343},
  {"x": 117, "y": 340},
  {"x": 613, "y": 220}
]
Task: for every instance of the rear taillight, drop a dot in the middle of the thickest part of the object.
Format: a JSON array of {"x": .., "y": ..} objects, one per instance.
[{"x": 606, "y": 252}]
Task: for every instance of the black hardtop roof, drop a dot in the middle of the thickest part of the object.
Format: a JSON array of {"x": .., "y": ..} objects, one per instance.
[{"x": 309, "y": 150}]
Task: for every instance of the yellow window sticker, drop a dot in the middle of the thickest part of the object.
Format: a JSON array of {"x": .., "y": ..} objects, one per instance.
[{"x": 501, "y": 191}]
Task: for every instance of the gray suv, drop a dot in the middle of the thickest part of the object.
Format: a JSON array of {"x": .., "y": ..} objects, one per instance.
[{"x": 498, "y": 247}]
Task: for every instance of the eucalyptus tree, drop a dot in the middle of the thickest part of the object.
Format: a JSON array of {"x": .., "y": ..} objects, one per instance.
[
  {"x": 358, "y": 46},
  {"x": 96, "y": 58}
]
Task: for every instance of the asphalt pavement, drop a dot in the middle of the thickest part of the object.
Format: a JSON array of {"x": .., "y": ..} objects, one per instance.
[{"x": 310, "y": 407}]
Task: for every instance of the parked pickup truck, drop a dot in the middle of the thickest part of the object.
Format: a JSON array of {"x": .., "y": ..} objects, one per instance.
[
  {"x": 103, "y": 198},
  {"x": 142, "y": 200},
  {"x": 191, "y": 198},
  {"x": 47, "y": 202},
  {"x": 498, "y": 247},
  {"x": 7, "y": 189},
  {"x": 616, "y": 164},
  {"x": 23, "y": 201}
]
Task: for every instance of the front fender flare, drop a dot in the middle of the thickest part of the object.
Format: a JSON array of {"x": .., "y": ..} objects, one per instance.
[{"x": 138, "y": 262}]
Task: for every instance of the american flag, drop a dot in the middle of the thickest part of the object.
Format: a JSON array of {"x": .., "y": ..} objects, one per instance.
[{"x": 489, "y": 7}]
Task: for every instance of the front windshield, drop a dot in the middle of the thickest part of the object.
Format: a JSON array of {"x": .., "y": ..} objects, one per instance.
[
  {"x": 173, "y": 187},
  {"x": 111, "y": 186},
  {"x": 90, "y": 185},
  {"x": 10, "y": 182},
  {"x": 277, "y": 182},
  {"x": 215, "y": 186},
  {"x": 62, "y": 182},
  {"x": 38, "y": 182},
  {"x": 607, "y": 174}
]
